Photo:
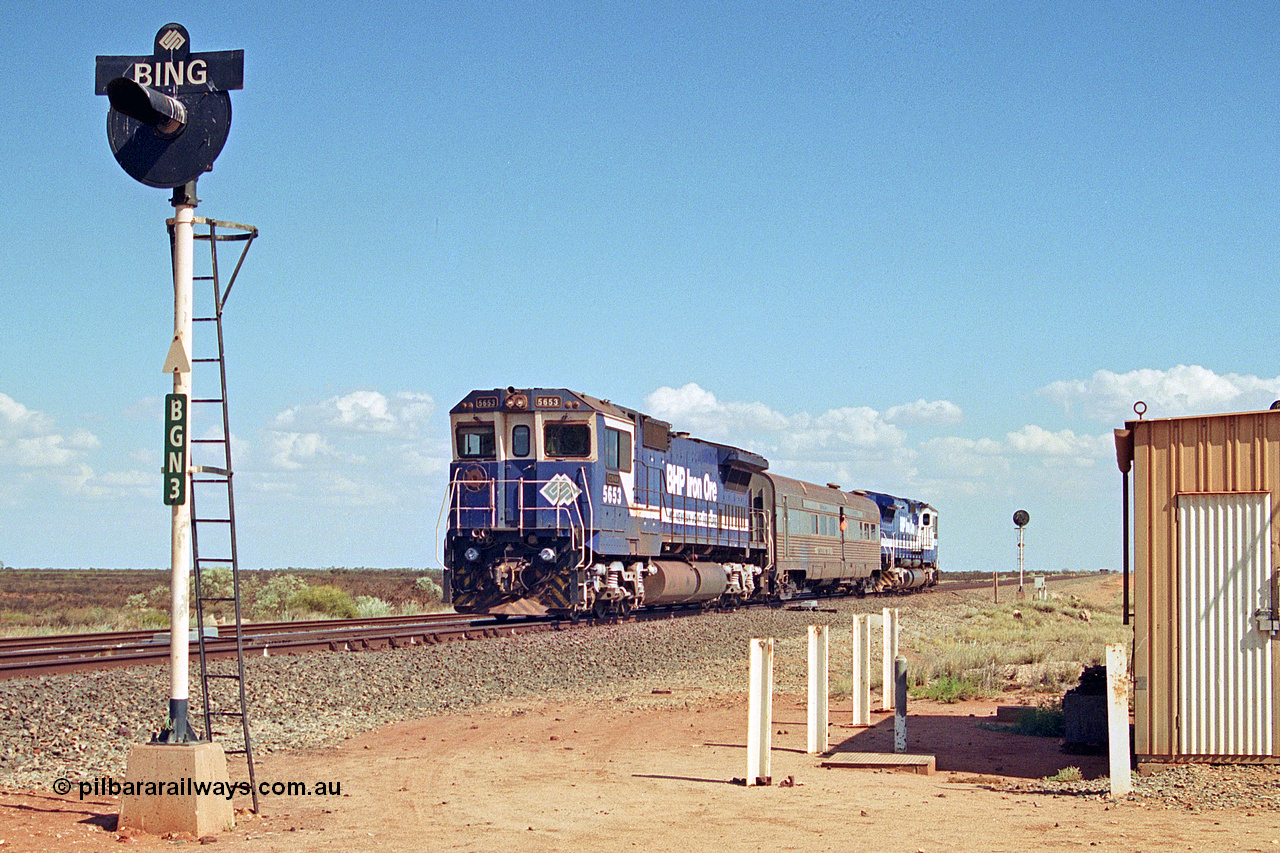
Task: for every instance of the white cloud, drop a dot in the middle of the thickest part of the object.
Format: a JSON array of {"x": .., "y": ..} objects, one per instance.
[
  {"x": 694, "y": 409},
  {"x": 1032, "y": 440},
  {"x": 964, "y": 463},
  {"x": 849, "y": 427},
  {"x": 14, "y": 415},
  {"x": 941, "y": 412},
  {"x": 403, "y": 414},
  {"x": 342, "y": 491},
  {"x": 291, "y": 450},
  {"x": 691, "y": 408},
  {"x": 856, "y": 446},
  {"x": 360, "y": 449},
  {"x": 30, "y": 439},
  {"x": 1181, "y": 390},
  {"x": 112, "y": 484}
]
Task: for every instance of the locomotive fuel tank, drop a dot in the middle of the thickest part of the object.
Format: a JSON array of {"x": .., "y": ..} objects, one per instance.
[
  {"x": 914, "y": 578},
  {"x": 677, "y": 582}
]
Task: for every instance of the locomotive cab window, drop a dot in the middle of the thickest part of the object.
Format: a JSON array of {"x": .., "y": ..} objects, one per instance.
[
  {"x": 617, "y": 450},
  {"x": 566, "y": 440},
  {"x": 520, "y": 440},
  {"x": 476, "y": 441}
]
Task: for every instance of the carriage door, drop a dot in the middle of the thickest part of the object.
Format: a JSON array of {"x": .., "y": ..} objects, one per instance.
[
  {"x": 1224, "y": 579},
  {"x": 617, "y": 449}
]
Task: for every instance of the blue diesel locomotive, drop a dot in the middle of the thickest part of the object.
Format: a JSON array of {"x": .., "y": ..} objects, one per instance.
[{"x": 566, "y": 504}]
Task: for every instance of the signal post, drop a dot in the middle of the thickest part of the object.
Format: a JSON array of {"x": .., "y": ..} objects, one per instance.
[{"x": 169, "y": 119}]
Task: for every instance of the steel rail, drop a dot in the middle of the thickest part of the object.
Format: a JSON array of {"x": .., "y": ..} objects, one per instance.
[{"x": 38, "y": 656}]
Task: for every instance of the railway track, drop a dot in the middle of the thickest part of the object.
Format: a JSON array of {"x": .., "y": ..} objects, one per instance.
[{"x": 27, "y": 657}]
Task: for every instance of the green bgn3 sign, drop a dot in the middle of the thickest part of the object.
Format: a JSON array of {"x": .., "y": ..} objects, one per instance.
[{"x": 175, "y": 449}]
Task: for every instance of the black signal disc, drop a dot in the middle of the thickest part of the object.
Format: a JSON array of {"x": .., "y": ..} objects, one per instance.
[{"x": 168, "y": 163}]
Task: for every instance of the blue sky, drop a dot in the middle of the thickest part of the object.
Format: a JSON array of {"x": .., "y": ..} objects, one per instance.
[{"x": 932, "y": 249}]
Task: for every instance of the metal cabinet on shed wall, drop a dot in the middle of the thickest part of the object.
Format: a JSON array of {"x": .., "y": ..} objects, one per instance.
[{"x": 1204, "y": 545}]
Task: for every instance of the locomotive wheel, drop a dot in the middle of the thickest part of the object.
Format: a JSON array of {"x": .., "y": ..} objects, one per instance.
[{"x": 601, "y": 609}]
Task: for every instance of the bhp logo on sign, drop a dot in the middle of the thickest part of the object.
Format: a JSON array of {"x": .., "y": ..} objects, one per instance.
[{"x": 172, "y": 40}]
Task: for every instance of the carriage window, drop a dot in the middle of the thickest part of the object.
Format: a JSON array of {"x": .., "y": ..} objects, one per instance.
[
  {"x": 476, "y": 441},
  {"x": 617, "y": 450},
  {"x": 565, "y": 439},
  {"x": 520, "y": 440}
]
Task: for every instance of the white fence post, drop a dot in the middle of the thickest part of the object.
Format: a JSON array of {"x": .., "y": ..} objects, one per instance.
[
  {"x": 760, "y": 713},
  {"x": 890, "y": 652},
  {"x": 1118, "y": 720},
  {"x": 819, "y": 659},
  {"x": 861, "y": 688}
]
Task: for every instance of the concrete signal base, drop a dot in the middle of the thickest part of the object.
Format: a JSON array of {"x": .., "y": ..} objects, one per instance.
[{"x": 160, "y": 796}]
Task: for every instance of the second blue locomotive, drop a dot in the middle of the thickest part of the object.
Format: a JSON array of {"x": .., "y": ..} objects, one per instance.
[{"x": 567, "y": 504}]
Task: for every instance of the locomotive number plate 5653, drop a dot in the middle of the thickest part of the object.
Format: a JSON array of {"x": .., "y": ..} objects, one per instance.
[{"x": 547, "y": 402}]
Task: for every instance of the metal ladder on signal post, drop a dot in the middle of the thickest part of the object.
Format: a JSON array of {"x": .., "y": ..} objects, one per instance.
[{"x": 211, "y": 475}]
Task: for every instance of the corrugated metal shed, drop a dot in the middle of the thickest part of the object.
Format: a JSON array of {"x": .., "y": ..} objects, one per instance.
[{"x": 1204, "y": 557}]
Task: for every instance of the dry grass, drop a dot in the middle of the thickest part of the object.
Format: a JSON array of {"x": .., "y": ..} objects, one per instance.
[
  {"x": 34, "y": 602},
  {"x": 1041, "y": 645}
]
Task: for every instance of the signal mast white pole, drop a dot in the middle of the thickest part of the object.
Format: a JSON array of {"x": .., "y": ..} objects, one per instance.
[
  {"x": 184, "y": 203},
  {"x": 1020, "y": 529}
]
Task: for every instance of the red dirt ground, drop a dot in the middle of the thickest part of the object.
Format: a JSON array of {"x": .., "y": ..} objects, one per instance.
[{"x": 559, "y": 777}]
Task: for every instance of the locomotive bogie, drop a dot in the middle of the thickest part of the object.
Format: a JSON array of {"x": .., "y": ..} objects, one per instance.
[{"x": 566, "y": 504}]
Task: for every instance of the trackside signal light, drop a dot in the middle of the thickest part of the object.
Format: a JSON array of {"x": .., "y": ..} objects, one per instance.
[{"x": 166, "y": 115}]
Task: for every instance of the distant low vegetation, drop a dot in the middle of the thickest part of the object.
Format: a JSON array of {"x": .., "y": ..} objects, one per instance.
[
  {"x": 42, "y": 601},
  {"x": 1041, "y": 645},
  {"x": 981, "y": 649},
  {"x": 1013, "y": 573}
]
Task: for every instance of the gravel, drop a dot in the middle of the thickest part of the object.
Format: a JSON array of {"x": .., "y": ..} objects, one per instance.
[
  {"x": 80, "y": 725},
  {"x": 1186, "y": 787}
]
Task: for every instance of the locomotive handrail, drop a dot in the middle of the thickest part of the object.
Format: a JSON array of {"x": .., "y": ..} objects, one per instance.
[
  {"x": 690, "y": 522},
  {"x": 590, "y": 522},
  {"x": 568, "y": 517}
]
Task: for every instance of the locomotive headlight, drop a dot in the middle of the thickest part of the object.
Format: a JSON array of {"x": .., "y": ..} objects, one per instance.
[
  {"x": 471, "y": 554},
  {"x": 547, "y": 554}
]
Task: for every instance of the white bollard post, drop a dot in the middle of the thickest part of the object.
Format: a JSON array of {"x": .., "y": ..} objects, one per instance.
[
  {"x": 890, "y": 652},
  {"x": 861, "y": 688},
  {"x": 819, "y": 659},
  {"x": 1118, "y": 720},
  {"x": 760, "y": 713}
]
